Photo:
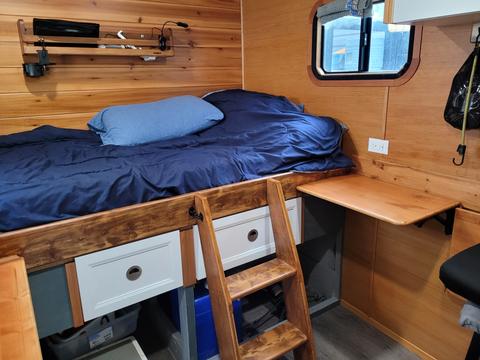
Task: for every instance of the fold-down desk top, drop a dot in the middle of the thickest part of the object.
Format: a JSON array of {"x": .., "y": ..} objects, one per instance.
[{"x": 392, "y": 203}]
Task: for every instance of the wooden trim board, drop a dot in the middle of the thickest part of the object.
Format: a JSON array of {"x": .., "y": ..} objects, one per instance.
[
  {"x": 222, "y": 308},
  {"x": 187, "y": 247},
  {"x": 392, "y": 203},
  {"x": 57, "y": 243},
  {"x": 74, "y": 294},
  {"x": 18, "y": 330},
  {"x": 388, "y": 12},
  {"x": 295, "y": 296}
]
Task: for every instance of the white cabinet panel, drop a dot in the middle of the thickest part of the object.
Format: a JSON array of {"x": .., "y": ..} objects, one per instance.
[
  {"x": 246, "y": 236},
  {"x": 114, "y": 278},
  {"x": 424, "y": 10}
]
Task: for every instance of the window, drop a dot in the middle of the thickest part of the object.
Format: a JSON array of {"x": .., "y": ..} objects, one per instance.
[{"x": 353, "y": 47}]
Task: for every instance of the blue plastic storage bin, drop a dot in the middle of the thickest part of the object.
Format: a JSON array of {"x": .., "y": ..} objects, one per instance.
[{"x": 207, "y": 346}]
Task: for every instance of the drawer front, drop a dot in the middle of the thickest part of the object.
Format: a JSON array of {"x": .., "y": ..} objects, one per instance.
[
  {"x": 112, "y": 279},
  {"x": 246, "y": 236}
]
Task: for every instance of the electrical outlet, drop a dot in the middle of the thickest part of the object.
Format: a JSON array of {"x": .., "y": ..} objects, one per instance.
[
  {"x": 378, "y": 146},
  {"x": 475, "y": 28}
]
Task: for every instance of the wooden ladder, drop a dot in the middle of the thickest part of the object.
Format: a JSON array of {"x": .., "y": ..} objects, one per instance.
[{"x": 293, "y": 334}]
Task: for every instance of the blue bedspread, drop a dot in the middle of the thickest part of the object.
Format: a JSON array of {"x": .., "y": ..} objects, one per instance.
[{"x": 50, "y": 174}]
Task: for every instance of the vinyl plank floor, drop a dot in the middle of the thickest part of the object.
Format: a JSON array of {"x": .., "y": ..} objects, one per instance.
[{"x": 341, "y": 335}]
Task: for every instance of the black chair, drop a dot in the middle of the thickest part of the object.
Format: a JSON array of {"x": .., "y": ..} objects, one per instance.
[{"x": 461, "y": 275}]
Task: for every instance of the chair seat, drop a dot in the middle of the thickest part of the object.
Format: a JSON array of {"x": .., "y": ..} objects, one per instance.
[{"x": 461, "y": 274}]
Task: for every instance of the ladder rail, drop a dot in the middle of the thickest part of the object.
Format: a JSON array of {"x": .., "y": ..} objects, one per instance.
[
  {"x": 295, "y": 296},
  {"x": 219, "y": 295}
]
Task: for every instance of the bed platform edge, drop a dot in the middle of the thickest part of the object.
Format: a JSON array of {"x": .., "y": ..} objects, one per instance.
[{"x": 58, "y": 242}]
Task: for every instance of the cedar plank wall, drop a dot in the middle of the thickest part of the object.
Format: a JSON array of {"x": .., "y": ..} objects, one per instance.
[
  {"x": 390, "y": 273},
  {"x": 79, "y": 86}
]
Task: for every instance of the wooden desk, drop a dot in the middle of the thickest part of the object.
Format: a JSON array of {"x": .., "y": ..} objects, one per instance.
[{"x": 392, "y": 203}]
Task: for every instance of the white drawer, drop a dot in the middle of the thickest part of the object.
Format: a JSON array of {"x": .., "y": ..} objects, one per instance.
[
  {"x": 232, "y": 236},
  {"x": 114, "y": 278}
]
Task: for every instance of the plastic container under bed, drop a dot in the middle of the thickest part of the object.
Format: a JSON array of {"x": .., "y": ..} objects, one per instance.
[
  {"x": 97, "y": 333},
  {"x": 207, "y": 345}
]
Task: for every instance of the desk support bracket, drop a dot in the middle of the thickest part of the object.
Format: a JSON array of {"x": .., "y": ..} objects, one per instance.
[{"x": 446, "y": 220}]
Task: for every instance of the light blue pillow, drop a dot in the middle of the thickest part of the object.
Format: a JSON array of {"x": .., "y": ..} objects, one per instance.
[{"x": 159, "y": 120}]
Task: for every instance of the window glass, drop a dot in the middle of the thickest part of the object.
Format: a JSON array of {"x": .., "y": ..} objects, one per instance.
[
  {"x": 389, "y": 44},
  {"x": 359, "y": 47},
  {"x": 341, "y": 44}
]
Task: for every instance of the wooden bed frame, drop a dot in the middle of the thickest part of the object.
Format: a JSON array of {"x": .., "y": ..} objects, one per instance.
[{"x": 59, "y": 242}]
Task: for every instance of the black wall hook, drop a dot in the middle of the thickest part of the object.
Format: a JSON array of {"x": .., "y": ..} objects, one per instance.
[{"x": 461, "y": 149}]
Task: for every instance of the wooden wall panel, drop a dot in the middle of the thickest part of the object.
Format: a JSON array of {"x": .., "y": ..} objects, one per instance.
[
  {"x": 17, "y": 105},
  {"x": 277, "y": 61},
  {"x": 208, "y": 57},
  {"x": 419, "y": 136},
  {"x": 408, "y": 296},
  {"x": 69, "y": 121},
  {"x": 358, "y": 259},
  {"x": 390, "y": 274},
  {"x": 122, "y": 11},
  {"x": 463, "y": 189},
  {"x": 103, "y": 78}
]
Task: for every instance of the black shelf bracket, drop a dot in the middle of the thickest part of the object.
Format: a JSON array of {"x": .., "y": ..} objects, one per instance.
[{"x": 446, "y": 220}]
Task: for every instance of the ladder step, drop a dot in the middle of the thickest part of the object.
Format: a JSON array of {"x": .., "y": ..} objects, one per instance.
[
  {"x": 273, "y": 344},
  {"x": 258, "y": 277}
]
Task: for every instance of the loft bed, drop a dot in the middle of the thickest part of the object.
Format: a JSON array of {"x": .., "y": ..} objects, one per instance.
[
  {"x": 87, "y": 243},
  {"x": 304, "y": 153}
]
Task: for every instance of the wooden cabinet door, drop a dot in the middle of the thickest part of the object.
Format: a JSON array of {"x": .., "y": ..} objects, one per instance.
[{"x": 18, "y": 331}]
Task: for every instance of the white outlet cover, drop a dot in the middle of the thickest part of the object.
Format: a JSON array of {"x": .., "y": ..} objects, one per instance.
[{"x": 379, "y": 146}]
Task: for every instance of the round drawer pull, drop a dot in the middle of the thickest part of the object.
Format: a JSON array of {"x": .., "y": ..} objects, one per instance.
[
  {"x": 252, "y": 235},
  {"x": 134, "y": 273}
]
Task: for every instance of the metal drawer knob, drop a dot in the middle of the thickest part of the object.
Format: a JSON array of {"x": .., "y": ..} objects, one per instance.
[
  {"x": 252, "y": 235},
  {"x": 134, "y": 272}
]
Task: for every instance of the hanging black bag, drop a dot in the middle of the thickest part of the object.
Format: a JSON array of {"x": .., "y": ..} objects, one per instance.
[
  {"x": 456, "y": 101},
  {"x": 463, "y": 106}
]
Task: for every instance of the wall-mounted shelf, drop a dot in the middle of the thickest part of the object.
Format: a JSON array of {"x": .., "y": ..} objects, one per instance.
[{"x": 31, "y": 44}]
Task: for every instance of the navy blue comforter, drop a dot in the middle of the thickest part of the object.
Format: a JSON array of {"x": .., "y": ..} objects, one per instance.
[{"x": 50, "y": 174}]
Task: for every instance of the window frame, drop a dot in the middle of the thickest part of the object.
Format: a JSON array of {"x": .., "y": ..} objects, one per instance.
[{"x": 366, "y": 24}]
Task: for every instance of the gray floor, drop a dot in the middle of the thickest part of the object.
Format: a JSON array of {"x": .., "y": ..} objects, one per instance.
[{"x": 341, "y": 335}]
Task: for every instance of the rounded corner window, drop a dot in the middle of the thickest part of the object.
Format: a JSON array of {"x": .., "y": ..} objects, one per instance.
[{"x": 353, "y": 48}]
